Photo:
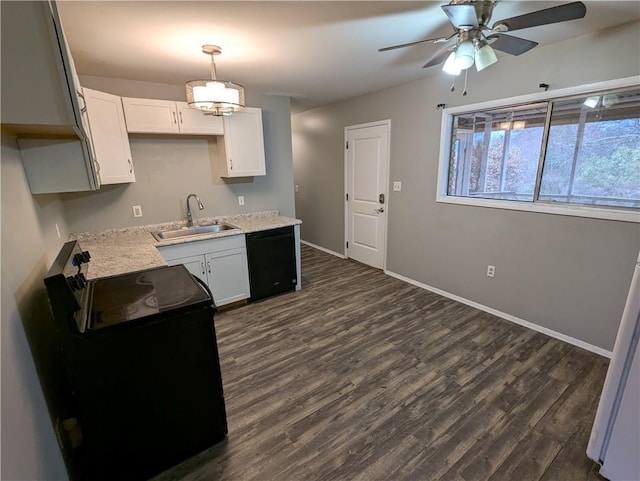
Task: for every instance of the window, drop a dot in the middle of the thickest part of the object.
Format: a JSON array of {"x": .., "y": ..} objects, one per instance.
[{"x": 580, "y": 150}]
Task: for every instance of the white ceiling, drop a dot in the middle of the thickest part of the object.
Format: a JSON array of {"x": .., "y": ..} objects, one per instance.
[{"x": 314, "y": 52}]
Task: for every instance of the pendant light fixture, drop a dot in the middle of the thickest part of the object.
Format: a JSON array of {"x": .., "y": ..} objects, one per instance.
[{"x": 213, "y": 96}]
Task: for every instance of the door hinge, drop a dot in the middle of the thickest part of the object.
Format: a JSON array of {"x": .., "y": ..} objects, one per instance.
[
  {"x": 347, "y": 197},
  {"x": 347, "y": 144},
  {"x": 347, "y": 244}
]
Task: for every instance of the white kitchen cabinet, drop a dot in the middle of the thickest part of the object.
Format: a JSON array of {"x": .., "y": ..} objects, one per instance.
[
  {"x": 193, "y": 121},
  {"x": 221, "y": 263},
  {"x": 242, "y": 151},
  {"x": 228, "y": 275},
  {"x": 41, "y": 102},
  {"x": 109, "y": 135},
  {"x": 152, "y": 116}
]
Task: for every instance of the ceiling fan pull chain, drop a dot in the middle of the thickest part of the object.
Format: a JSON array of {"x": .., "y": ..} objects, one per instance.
[
  {"x": 453, "y": 83},
  {"x": 466, "y": 72}
]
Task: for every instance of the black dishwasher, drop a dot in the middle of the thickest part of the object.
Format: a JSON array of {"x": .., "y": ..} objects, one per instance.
[{"x": 272, "y": 262}]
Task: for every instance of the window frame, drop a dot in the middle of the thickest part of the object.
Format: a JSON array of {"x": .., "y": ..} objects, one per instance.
[{"x": 446, "y": 129}]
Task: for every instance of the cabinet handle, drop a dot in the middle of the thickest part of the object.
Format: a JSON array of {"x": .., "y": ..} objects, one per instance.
[
  {"x": 175, "y": 119},
  {"x": 209, "y": 266},
  {"x": 83, "y": 109},
  {"x": 181, "y": 121},
  {"x": 202, "y": 267},
  {"x": 130, "y": 166}
]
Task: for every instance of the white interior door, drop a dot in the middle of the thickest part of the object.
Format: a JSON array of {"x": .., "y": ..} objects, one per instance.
[{"x": 367, "y": 160}]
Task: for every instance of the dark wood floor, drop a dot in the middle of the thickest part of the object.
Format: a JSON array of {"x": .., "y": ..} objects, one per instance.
[{"x": 364, "y": 377}]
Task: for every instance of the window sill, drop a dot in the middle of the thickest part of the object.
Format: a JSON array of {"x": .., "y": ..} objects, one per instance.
[{"x": 605, "y": 213}]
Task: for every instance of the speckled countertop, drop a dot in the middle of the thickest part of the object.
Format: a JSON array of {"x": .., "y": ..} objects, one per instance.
[{"x": 117, "y": 251}]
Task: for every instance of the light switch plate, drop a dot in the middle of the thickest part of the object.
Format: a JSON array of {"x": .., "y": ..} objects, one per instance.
[
  {"x": 137, "y": 210},
  {"x": 241, "y": 200}
]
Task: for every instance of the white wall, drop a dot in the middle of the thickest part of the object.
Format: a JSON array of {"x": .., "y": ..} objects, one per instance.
[
  {"x": 29, "y": 246},
  {"x": 567, "y": 274}
]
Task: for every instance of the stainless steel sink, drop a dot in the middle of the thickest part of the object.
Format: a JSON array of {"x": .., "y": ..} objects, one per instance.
[{"x": 189, "y": 231}]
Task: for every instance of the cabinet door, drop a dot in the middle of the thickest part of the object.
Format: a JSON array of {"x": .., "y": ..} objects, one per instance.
[
  {"x": 150, "y": 116},
  {"x": 243, "y": 144},
  {"x": 194, "y": 264},
  {"x": 39, "y": 97},
  {"x": 193, "y": 121},
  {"x": 228, "y": 275},
  {"x": 110, "y": 139}
]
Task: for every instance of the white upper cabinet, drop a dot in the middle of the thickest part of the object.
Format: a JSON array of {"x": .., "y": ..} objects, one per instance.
[
  {"x": 193, "y": 121},
  {"x": 152, "y": 116},
  {"x": 40, "y": 100},
  {"x": 109, "y": 135},
  {"x": 242, "y": 152}
]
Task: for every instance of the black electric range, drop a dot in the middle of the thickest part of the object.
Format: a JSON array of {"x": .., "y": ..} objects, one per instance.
[{"x": 140, "y": 352}]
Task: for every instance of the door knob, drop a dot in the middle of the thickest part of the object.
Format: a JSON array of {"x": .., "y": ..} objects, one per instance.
[{"x": 379, "y": 211}]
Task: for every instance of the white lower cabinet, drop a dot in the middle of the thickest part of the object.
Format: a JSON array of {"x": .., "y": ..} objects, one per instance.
[{"x": 221, "y": 263}]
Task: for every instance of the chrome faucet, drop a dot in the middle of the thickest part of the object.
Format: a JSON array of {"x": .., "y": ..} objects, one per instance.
[{"x": 200, "y": 207}]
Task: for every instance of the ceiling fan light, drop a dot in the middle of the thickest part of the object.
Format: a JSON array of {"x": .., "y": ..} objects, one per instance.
[
  {"x": 485, "y": 57},
  {"x": 450, "y": 66},
  {"x": 465, "y": 55}
]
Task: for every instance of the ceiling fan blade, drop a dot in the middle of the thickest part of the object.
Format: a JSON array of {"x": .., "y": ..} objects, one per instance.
[
  {"x": 561, "y": 13},
  {"x": 461, "y": 14},
  {"x": 439, "y": 57},
  {"x": 510, "y": 44},
  {"x": 402, "y": 45}
]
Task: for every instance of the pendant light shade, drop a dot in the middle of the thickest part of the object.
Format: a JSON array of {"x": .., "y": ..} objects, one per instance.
[{"x": 213, "y": 96}]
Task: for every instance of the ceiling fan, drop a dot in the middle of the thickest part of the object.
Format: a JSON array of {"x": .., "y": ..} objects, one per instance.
[{"x": 476, "y": 40}]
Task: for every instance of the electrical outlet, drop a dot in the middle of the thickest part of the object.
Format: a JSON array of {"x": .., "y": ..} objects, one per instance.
[
  {"x": 137, "y": 210},
  {"x": 241, "y": 200},
  {"x": 397, "y": 186},
  {"x": 491, "y": 271},
  {"x": 297, "y": 188}
]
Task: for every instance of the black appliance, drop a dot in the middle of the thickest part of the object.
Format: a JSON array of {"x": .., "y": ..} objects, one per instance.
[
  {"x": 271, "y": 255},
  {"x": 140, "y": 353}
]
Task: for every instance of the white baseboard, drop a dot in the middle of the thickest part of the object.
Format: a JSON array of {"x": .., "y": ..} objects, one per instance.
[
  {"x": 333, "y": 253},
  {"x": 508, "y": 317}
]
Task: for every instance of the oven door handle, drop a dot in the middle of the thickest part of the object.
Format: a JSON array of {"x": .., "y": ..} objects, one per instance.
[{"x": 206, "y": 288}]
